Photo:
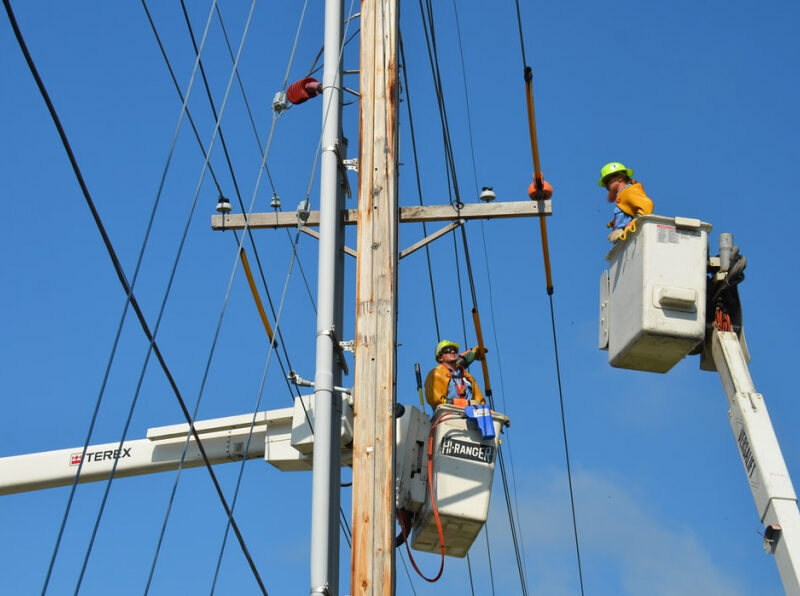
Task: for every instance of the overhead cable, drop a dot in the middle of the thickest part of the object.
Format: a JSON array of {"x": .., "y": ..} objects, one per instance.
[
  {"x": 121, "y": 275},
  {"x": 407, "y": 90},
  {"x": 538, "y": 181},
  {"x": 431, "y": 40}
]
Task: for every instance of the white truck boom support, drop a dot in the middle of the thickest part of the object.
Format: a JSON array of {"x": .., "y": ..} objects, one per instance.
[
  {"x": 662, "y": 298},
  {"x": 761, "y": 455}
]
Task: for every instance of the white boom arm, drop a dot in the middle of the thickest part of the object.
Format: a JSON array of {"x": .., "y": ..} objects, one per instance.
[
  {"x": 763, "y": 462},
  {"x": 283, "y": 437},
  {"x": 223, "y": 439}
]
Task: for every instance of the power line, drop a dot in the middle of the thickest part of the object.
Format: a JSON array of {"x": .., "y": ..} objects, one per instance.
[
  {"x": 539, "y": 182},
  {"x": 407, "y": 90},
  {"x": 121, "y": 275},
  {"x": 489, "y": 283},
  {"x": 431, "y": 44}
]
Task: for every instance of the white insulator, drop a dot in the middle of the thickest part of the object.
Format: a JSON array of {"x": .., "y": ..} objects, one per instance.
[
  {"x": 224, "y": 205},
  {"x": 487, "y": 194}
]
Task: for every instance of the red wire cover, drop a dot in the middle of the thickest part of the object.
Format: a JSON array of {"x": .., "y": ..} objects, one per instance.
[{"x": 303, "y": 90}]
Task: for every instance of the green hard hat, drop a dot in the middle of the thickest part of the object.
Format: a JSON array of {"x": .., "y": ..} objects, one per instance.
[
  {"x": 445, "y": 343},
  {"x": 612, "y": 168}
]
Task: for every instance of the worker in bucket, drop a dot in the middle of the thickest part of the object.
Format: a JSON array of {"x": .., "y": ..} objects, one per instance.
[
  {"x": 627, "y": 195},
  {"x": 449, "y": 380}
]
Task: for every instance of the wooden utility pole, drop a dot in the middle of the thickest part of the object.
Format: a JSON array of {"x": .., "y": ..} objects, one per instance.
[{"x": 376, "y": 305}]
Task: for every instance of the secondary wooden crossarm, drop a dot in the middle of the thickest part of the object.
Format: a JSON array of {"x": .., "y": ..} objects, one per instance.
[{"x": 407, "y": 215}]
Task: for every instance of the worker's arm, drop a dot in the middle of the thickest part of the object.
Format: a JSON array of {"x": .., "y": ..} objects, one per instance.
[
  {"x": 470, "y": 356},
  {"x": 436, "y": 384}
]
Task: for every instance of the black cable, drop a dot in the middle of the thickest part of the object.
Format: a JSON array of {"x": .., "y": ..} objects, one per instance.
[
  {"x": 407, "y": 90},
  {"x": 489, "y": 554},
  {"x": 555, "y": 350},
  {"x": 442, "y": 105},
  {"x": 180, "y": 93},
  {"x": 269, "y": 177},
  {"x": 121, "y": 276},
  {"x": 348, "y": 534},
  {"x": 511, "y": 523},
  {"x": 244, "y": 95},
  {"x": 343, "y": 522},
  {"x": 521, "y": 40},
  {"x": 450, "y": 160},
  {"x": 430, "y": 39},
  {"x": 236, "y": 186},
  {"x": 566, "y": 446},
  {"x": 469, "y": 571}
]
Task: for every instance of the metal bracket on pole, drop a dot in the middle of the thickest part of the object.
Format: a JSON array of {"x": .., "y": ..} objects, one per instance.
[
  {"x": 337, "y": 346},
  {"x": 341, "y": 163},
  {"x": 296, "y": 379},
  {"x": 303, "y": 211}
]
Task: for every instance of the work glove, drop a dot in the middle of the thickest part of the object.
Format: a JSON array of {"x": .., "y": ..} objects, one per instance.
[
  {"x": 480, "y": 353},
  {"x": 614, "y": 235}
]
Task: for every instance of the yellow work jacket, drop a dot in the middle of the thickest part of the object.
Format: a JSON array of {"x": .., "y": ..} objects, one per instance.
[
  {"x": 633, "y": 200},
  {"x": 438, "y": 389}
]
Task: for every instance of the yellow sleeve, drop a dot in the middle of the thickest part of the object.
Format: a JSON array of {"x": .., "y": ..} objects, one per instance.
[
  {"x": 633, "y": 200},
  {"x": 436, "y": 386}
]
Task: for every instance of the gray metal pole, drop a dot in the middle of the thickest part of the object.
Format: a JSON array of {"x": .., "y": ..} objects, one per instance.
[{"x": 327, "y": 403}]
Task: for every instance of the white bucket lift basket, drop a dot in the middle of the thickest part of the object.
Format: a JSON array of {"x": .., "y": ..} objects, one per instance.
[
  {"x": 463, "y": 470},
  {"x": 653, "y": 296}
]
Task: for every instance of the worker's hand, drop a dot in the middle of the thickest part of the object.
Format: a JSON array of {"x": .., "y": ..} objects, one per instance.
[
  {"x": 480, "y": 353},
  {"x": 614, "y": 236}
]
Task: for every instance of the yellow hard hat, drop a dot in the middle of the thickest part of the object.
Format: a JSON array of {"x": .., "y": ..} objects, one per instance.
[
  {"x": 613, "y": 168},
  {"x": 445, "y": 343}
]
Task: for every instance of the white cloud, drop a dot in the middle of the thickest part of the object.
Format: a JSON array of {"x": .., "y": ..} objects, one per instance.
[{"x": 625, "y": 547}]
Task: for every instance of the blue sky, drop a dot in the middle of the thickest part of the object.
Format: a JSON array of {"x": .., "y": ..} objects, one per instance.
[{"x": 699, "y": 98}]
